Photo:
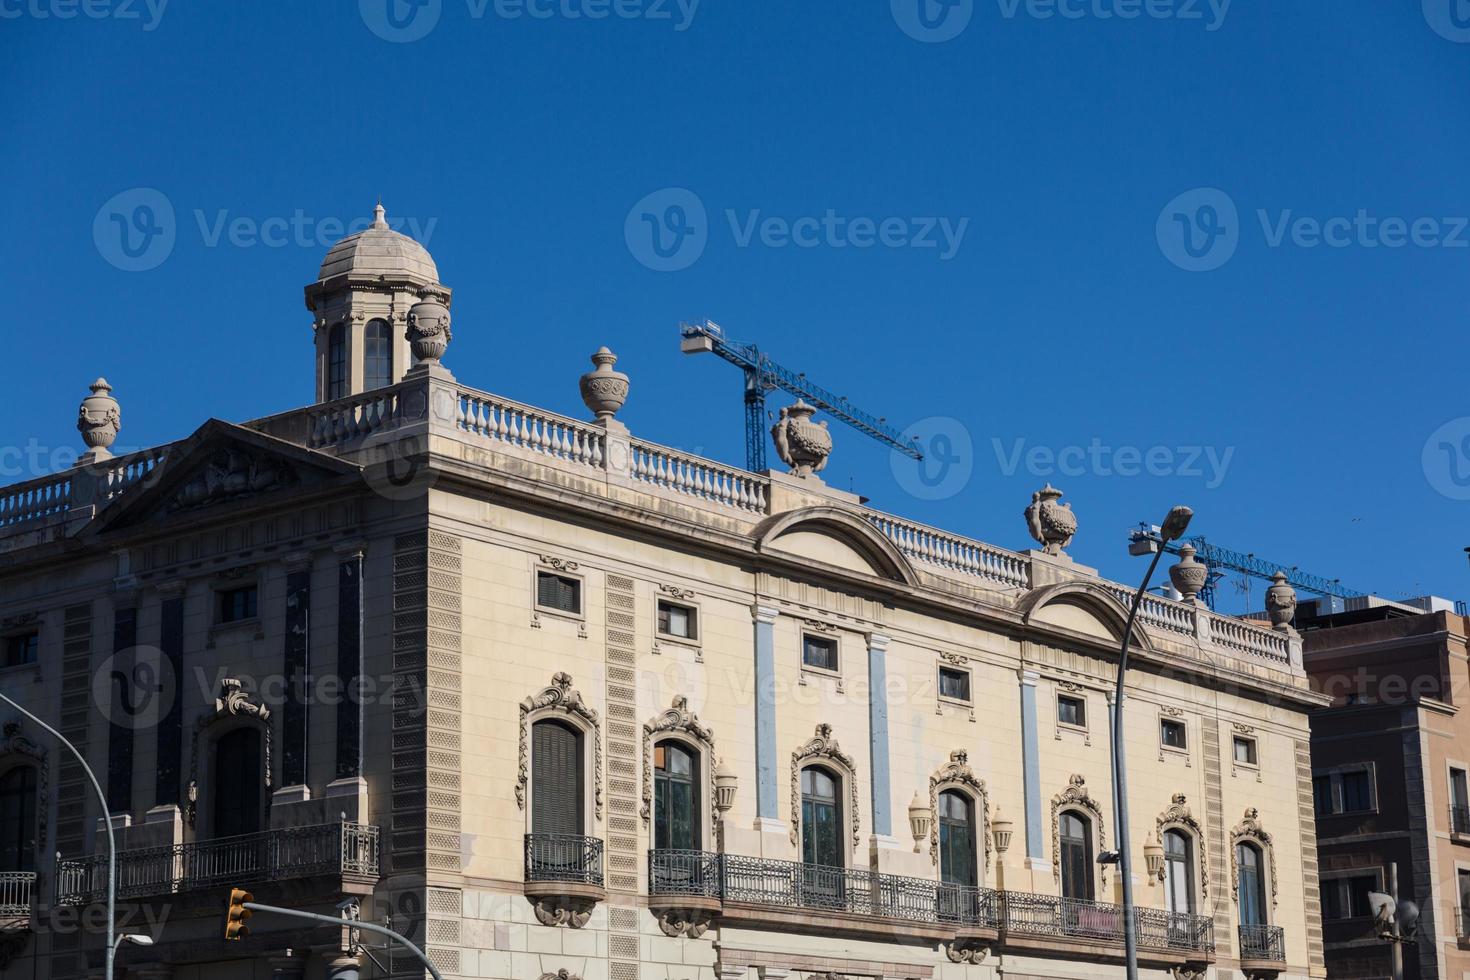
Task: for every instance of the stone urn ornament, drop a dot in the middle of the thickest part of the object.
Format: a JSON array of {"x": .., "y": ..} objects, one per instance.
[
  {"x": 1190, "y": 575},
  {"x": 428, "y": 328},
  {"x": 1051, "y": 523},
  {"x": 604, "y": 390},
  {"x": 98, "y": 420},
  {"x": 802, "y": 444},
  {"x": 1280, "y": 602}
]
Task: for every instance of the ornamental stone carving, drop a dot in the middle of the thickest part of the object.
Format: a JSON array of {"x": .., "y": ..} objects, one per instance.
[
  {"x": 802, "y": 444},
  {"x": 563, "y": 910},
  {"x": 1280, "y": 602},
  {"x": 604, "y": 390},
  {"x": 1191, "y": 574},
  {"x": 680, "y": 720},
  {"x": 99, "y": 419},
  {"x": 684, "y": 923},
  {"x": 229, "y": 474},
  {"x": 1051, "y": 523},
  {"x": 562, "y": 974},
  {"x": 1249, "y": 830},
  {"x": 969, "y": 952},
  {"x": 823, "y": 748},
  {"x": 428, "y": 327},
  {"x": 1179, "y": 816},
  {"x": 559, "y": 697},
  {"x": 1076, "y": 797},
  {"x": 957, "y": 773},
  {"x": 232, "y": 702}
]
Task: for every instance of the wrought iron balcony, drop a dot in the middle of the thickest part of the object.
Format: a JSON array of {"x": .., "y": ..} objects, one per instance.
[
  {"x": 1460, "y": 819},
  {"x": 16, "y": 891},
  {"x": 1263, "y": 943},
  {"x": 1053, "y": 917},
  {"x": 346, "y": 850},
  {"x": 685, "y": 873},
  {"x": 563, "y": 858}
]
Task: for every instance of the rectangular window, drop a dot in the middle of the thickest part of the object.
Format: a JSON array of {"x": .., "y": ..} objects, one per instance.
[
  {"x": 1173, "y": 734},
  {"x": 23, "y": 648},
  {"x": 1245, "y": 751},
  {"x": 1071, "y": 711},
  {"x": 819, "y": 652},
  {"x": 1322, "y": 795},
  {"x": 1459, "y": 802},
  {"x": 677, "y": 620},
  {"x": 1348, "y": 790},
  {"x": 954, "y": 684},
  {"x": 1357, "y": 792},
  {"x": 1347, "y": 898},
  {"x": 238, "y": 604},
  {"x": 559, "y": 592}
]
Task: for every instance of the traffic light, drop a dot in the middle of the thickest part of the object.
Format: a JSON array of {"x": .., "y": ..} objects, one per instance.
[{"x": 235, "y": 927}]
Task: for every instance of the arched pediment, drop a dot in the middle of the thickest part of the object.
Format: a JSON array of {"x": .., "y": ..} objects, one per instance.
[
  {"x": 1081, "y": 607},
  {"x": 833, "y": 536}
]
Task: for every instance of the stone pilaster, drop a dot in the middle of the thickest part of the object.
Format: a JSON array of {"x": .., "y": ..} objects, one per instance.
[
  {"x": 882, "y": 791},
  {"x": 296, "y": 669},
  {"x": 1031, "y": 766}
]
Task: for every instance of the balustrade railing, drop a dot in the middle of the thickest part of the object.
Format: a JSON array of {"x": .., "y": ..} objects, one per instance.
[
  {"x": 509, "y": 423},
  {"x": 1251, "y": 640},
  {"x": 1164, "y": 614},
  {"x": 1263, "y": 943},
  {"x": 272, "y": 855},
  {"x": 77, "y": 487},
  {"x": 17, "y": 889},
  {"x": 951, "y": 551},
  {"x": 349, "y": 419},
  {"x": 564, "y": 857},
  {"x": 696, "y": 477}
]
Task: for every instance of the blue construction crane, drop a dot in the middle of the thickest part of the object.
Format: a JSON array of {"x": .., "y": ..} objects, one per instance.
[
  {"x": 1145, "y": 538},
  {"x": 763, "y": 375}
]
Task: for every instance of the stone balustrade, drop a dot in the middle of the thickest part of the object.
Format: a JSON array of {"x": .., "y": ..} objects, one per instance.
[{"x": 935, "y": 547}]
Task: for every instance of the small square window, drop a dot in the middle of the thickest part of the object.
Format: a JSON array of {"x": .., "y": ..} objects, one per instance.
[
  {"x": 23, "y": 648},
  {"x": 560, "y": 593},
  {"x": 1071, "y": 711},
  {"x": 238, "y": 604},
  {"x": 819, "y": 652},
  {"x": 677, "y": 620},
  {"x": 1245, "y": 751},
  {"x": 954, "y": 684},
  {"x": 1173, "y": 734}
]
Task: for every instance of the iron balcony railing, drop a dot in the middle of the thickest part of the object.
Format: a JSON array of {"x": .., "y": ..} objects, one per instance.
[
  {"x": 16, "y": 891},
  {"x": 1460, "y": 818},
  {"x": 1049, "y": 915},
  {"x": 686, "y": 873},
  {"x": 1263, "y": 943},
  {"x": 346, "y": 849},
  {"x": 564, "y": 857}
]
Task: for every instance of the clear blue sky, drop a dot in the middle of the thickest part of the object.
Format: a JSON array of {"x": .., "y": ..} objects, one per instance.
[{"x": 1065, "y": 314}]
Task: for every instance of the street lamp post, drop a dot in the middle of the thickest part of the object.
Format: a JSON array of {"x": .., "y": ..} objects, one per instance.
[
  {"x": 113, "y": 941},
  {"x": 1173, "y": 527}
]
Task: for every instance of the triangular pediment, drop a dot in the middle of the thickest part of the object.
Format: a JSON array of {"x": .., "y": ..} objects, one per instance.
[{"x": 224, "y": 465}]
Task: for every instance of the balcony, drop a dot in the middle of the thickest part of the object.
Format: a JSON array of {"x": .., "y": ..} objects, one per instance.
[
  {"x": 1262, "y": 949},
  {"x": 347, "y": 852},
  {"x": 1460, "y": 822},
  {"x": 17, "y": 889},
  {"x": 691, "y": 886},
  {"x": 564, "y": 877}
]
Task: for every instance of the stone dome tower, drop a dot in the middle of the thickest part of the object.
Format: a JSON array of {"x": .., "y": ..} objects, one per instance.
[{"x": 361, "y": 300}]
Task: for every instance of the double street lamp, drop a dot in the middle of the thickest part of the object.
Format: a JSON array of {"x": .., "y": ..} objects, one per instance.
[{"x": 1173, "y": 528}]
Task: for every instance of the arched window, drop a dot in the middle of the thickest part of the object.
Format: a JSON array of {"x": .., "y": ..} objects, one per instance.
[
  {"x": 1251, "y": 886},
  {"x": 1076, "y": 840},
  {"x": 821, "y": 818},
  {"x": 18, "y": 819},
  {"x": 237, "y": 782},
  {"x": 1179, "y": 872},
  {"x": 957, "y": 854},
  {"x": 556, "y": 779},
  {"x": 675, "y": 797},
  {"x": 377, "y": 352},
  {"x": 336, "y": 362}
]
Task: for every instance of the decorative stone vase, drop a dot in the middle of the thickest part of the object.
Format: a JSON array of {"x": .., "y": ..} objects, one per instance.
[
  {"x": 802, "y": 444},
  {"x": 428, "y": 328},
  {"x": 1002, "y": 829},
  {"x": 1051, "y": 523},
  {"x": 604, "y": 390},
  {"x": 1190, "y": 575},
  {"x": 1280, "y": 602},
  {"x": 98, "y": 420}
]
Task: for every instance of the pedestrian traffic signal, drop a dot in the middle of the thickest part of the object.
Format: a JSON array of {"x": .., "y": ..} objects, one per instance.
[{"x": 235, "y": 927}]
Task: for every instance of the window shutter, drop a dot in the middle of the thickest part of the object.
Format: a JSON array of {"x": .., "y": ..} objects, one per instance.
[{"x": 556, "y": 780}]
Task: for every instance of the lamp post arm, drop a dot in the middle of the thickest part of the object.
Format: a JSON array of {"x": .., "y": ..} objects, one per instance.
[{"x": 352, "y": 923}]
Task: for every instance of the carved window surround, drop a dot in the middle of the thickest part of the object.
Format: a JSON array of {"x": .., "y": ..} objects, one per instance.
[
  {"x": 1077, "y": 797},
  {"x": 1249, "y": 830},
  {"x": 1173, "y": 713},
  {"x": 679, "y": 720},
  {"x": 232, "y": 705},
  {"x": 1178, "y": 817},
  {"x": 674, "y": 595},
  {"x": 1071, "y": 689},
  {"x": 957, "y": 774},
  {"x": 821, "y": 631},
  {"x": 823, "y": 748},
  {"x": 551, "y": 564},
  {"x": 559, "y": 699}
]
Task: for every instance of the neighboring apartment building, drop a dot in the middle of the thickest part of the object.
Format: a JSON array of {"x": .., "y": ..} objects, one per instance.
[
  {"x": 626, "y": 713},
  {"x": 1389, "y": 762}
]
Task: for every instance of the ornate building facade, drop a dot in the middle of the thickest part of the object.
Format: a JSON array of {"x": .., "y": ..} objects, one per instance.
[{"x": 560, "y": 702}]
